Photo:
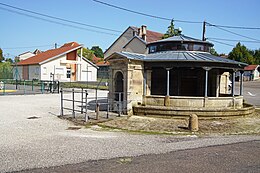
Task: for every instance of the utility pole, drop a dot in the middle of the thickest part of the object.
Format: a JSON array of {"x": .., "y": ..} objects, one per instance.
[{"x": 204, "y": 31}]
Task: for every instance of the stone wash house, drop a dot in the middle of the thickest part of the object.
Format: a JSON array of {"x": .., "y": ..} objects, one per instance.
[
  {"x": 62, "y": 64},
  {"x": 176, "y": 76}
]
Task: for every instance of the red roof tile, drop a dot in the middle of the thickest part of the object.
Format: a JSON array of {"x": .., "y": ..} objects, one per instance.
[
  {"x": 96, "y": 59},
  {"x": 151, "y": 35},
  {"x": 49, "y": 54},
  {"x": 250, "y": 67},
  {"x": 102, "y": 63}
]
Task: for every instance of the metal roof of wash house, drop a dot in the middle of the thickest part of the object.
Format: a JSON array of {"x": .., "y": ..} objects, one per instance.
[
  {"x": 181, "y": 38},
  {"x": 179, "y": 56}
]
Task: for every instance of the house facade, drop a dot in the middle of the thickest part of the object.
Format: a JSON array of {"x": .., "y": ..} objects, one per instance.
[
  {"x": 252, "y": 72},
  {"x": 133, "y": 39},
  {"x": 62, "y": 64}
]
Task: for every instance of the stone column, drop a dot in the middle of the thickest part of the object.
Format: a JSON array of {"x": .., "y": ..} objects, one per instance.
[
  {"x": 241, "y": 83},
  {"x": 148, "y": 82}
]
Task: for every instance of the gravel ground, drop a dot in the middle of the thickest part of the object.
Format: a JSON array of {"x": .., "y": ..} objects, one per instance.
[{"x": 44, "y": 140}]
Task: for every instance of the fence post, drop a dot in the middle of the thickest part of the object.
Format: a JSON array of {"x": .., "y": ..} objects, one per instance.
[
  {"x": 32, "y": 85},
  {"x": 119, "y": 105},
  {"x": 81, "y": 101},
  {"x": 42, "y": 85},
  {"x": 24, "y": 87},
  {"x": 97, "y": 111},
  {"x": 73, "y": 103},
  {"x": 86, "y": 105},
  {"x": 4, "y": 87},
  {"x": 61, "y": 103},
  {"x": 107, "y": 107},
  {"x": 58, "y": 86}
]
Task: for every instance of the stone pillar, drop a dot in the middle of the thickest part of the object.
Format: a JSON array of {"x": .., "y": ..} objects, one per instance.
[
  {"x": 148, "y": 82},
  {"x": 193, "y": 123},
  {"x": 241, "y": 83}
]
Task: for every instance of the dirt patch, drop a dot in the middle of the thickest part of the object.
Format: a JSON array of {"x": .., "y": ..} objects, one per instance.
[
  {"x": 157, "y": 125},
  {"x": 238, "y": 125}
]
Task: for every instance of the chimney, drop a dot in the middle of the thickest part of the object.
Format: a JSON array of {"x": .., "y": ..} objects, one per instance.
[{"x": 143, "y": 32}]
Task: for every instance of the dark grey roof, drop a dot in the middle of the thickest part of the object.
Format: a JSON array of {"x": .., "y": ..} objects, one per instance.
[
  {"x": 179, "y": 56},
  {"x": 181, "y": 38}
]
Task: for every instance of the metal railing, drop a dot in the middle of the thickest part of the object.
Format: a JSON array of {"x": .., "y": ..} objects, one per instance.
[
  {"x": 22, "y": 87},
  {"x": 80, "y": 101}
]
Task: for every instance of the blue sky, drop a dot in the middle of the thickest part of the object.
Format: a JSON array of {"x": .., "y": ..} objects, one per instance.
[{"x": 22, "y": 31}]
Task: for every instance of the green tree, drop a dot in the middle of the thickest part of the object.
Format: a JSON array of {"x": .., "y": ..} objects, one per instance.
[
  {"x": 256, "y": 55},
  {"x": 213, "y": 51},
  {"x": 1, "y": 55},
  {"x": 241, "y": 53},
  {"x": 9, "y": 60},
  {"x": 98, "y": 51},
  {"x": 171, "y": 31},
  {"x": 89, "y": 54}
]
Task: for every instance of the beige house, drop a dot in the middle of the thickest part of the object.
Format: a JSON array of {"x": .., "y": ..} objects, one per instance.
[
  {"x": 134, "y": 40},
  {"x": 62, "y": 64}
]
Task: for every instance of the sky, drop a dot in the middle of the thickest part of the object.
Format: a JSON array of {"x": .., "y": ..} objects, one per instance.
[{"x": 21, "y": 33}]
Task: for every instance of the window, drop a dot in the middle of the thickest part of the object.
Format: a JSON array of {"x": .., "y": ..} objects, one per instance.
[
  {"x": 44, "y": 70},
  {"x": 68, "y": 73},
  {"x": 37, "y": 71},
  {"x": 198, "y": 47}
]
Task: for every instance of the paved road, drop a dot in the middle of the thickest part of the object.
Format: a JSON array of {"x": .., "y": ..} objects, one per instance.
[
  {"x": 251, "y": 92},
  {"x": 239, "y": 157}
]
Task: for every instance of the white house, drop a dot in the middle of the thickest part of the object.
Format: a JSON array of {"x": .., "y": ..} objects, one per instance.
[
  {"x": 63, "y": 64},
  {"x": 252, "y": 72}
]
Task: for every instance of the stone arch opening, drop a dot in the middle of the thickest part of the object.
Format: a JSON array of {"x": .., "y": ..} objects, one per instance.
[{"x": 119, "y": 86}]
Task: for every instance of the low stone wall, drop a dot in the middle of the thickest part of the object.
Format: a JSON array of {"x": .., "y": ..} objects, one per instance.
[
  {"x": 196, "y": 102},
  {"x": 149, "y": 110}
]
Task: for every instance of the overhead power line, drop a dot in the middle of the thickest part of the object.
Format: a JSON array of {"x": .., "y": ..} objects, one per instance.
[
  {"x": 232, "y": 40},
  {"x": 145, "y": 14},
  {"x": 220, "y": 42},
  {"x": 58, "y": 18},
  {"x": 235, "y": 27},
  {"x": 48, "y": 45},
  {"x": 233, "y": 32}
]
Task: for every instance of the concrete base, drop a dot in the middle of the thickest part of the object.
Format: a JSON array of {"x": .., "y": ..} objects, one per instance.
[{"x": 186, "y": 111}]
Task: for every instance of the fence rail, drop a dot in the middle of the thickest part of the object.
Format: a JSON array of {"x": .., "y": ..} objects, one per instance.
[
  {"x": 81, "y": 101},
  {"x": 10, "y": 86}
]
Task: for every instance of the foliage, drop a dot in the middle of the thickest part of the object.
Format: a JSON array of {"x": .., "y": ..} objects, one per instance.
[
  {"x": 89, "y": 54},
  {"x": 241, "y": 53},
  {"x": 1, "y": 55},
  {"x": 6, "y": 70},
  {"x": 256, "y": 55},
  {"x": 98, "y": 51},
  {"x": 171, "y": 31},
  {"x": 213, "y": 51},
  {"x": 9, "y": 60}
]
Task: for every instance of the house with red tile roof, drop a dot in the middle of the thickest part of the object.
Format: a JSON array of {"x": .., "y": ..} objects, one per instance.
[
  {"x": 63, "y": 64},
  {"x": 252, "y": 72},
  {"x": 134, "y": 40}
]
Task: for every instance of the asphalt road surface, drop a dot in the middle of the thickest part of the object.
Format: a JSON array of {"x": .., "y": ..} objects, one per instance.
[{"x": 235, "y": 158}]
